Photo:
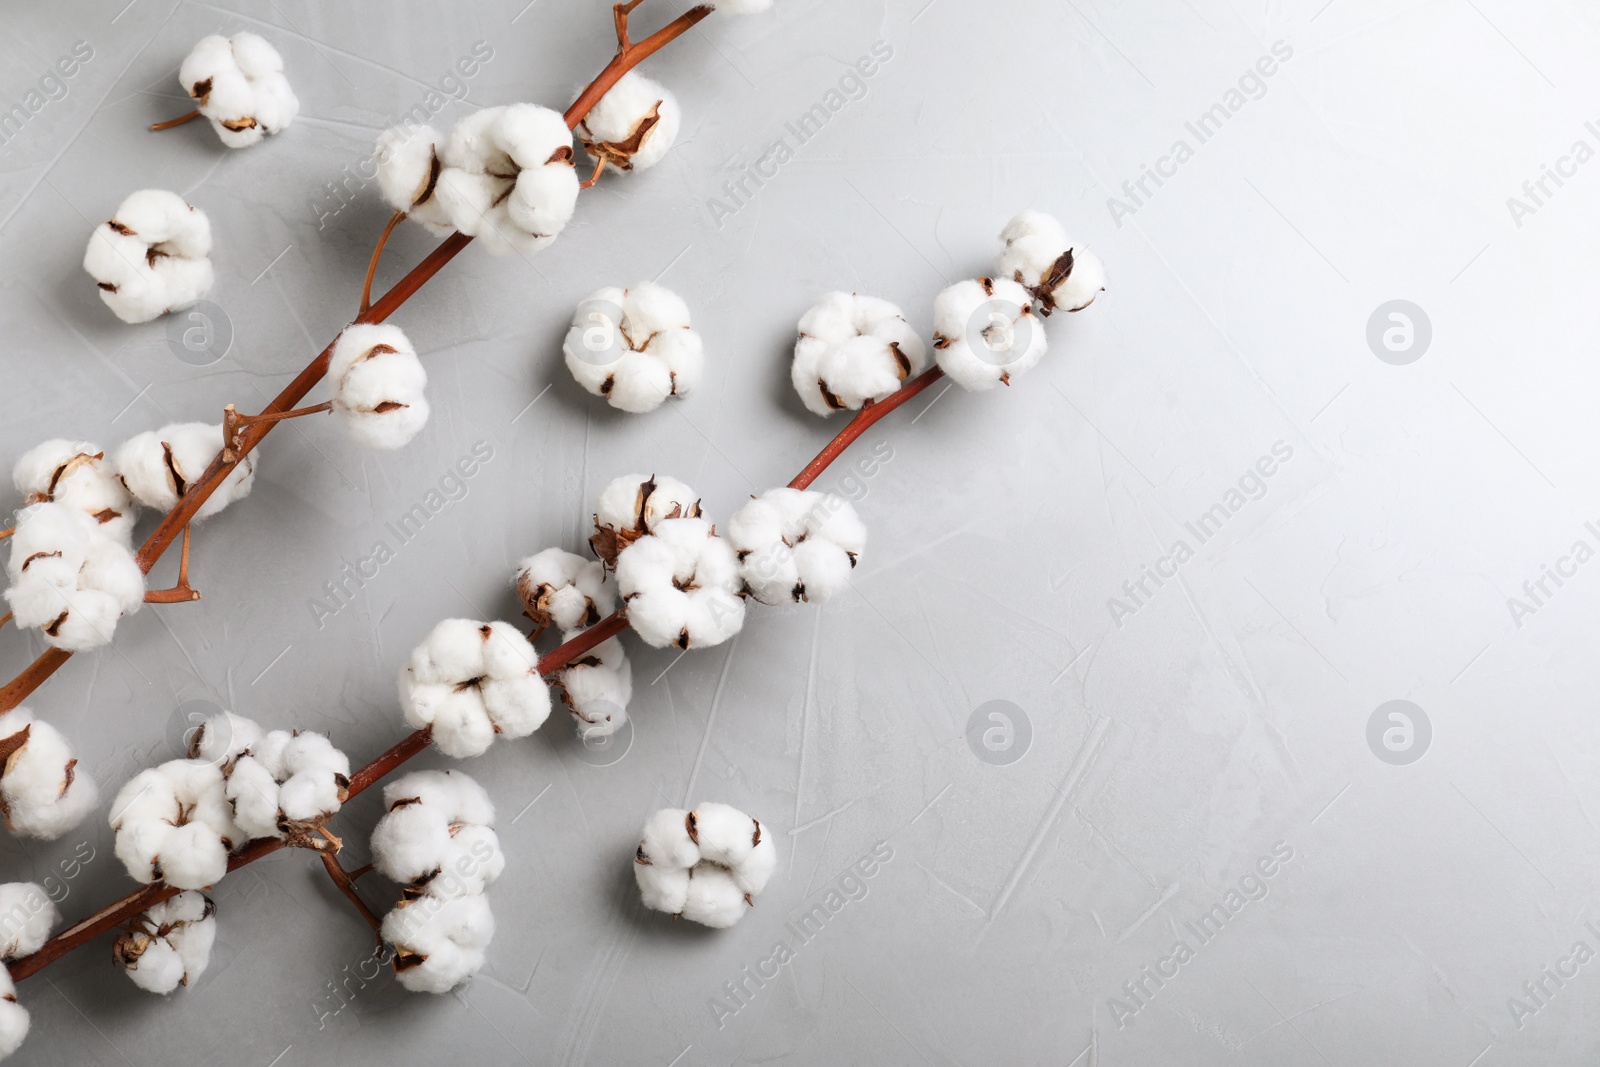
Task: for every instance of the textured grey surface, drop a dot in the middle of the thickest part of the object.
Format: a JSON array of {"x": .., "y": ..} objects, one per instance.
[{"x": 1172, "y": 748}]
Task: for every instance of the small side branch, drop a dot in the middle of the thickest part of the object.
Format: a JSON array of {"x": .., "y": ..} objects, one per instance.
[
  {"x": 600, "y": 165},
  {"x": 345, "y": 881},
  {"x": 181, "y": 593},
  {"x": 172, "y": 124},
  {"x": 235, "y": 425},
  {"x": 377, "y": 254}
]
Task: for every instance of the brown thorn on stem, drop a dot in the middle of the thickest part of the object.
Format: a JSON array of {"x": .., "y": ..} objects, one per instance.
[
  {"x": 234, "y": 426},
  {"x": 172, "y": 124},
  {"x": 600, "y": 165},
  {"x": 182, "y": 593},
  {"x": 377, "y": 254}
]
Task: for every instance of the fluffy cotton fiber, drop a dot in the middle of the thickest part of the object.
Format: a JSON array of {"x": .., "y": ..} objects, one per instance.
[
  {"x": 985, "y": 332},
  {"x": 43, "y": 792},
  {"x": 635, "y": 347},
  {"x": 174, "y": 824},
  {"x": 158, "y": 467},
  {"x": 240, "y": 86},
  {"x": 169, "y": 945},
  {"x": 852, "y": 349},
  {"x": 471, "y": 681},
  {"x": 562, "y": 589},
  {"x": 796, "y": 545},
  {"x": 1041, "y": 257},
  {"x": 705, "y": 865},
  {"x": 633, "y": 125},
  {"x": 70, "y": 577},
  {"x": 632, "y": 506},
  {"x": 379, "y": 385},
  {"x": 152, "y": 257},
  {"x": 681, "y": 585},
  {"x": 77, "y": 475}
]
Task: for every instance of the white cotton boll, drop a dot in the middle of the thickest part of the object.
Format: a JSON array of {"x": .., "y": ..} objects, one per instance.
[
  {"x": 704, "y": 865},
  {"x": 662, "y": 888},
  {"x": 795, "y": 545},
  {"x": 240, "y": 87},
  {"x": 467, "y": 197},
  {"x": 544, "y": 199},
  {"x": 681, "y": 586},
  {"x": 78, "y": 475},
  {"x": 666, "y": 841},
  {"x": 469, "y": 681},
  {"x": 379, "y": 384},
  {"x": 253, "y": 792},
  {"x": 456, "y": 794},
  {"x": 27, "y": 915},
  {"x": 13, "y": 1017},
  {"x": 286, "y": 781},
  {"x": 633, "y": 125},
  {"x": 563, "y": 589},
  {"x": 471, "y": 861},
  {"x": 852, "y": 349},
  {"x": 472, "y": 145},
  {"x": 150, "y": 962},
  {"x": 1040, "y": 256},
  {"x": 410, "y": 842},
  {"x": 635, "y": 347},
  {"x": 635, "y": 504},
  {"x": 529, "y": 135},
  {"x": 725, "y": 834},
  {"x": 985, "y": 332},
  {"x": 174, "y": 824},
  {"x": 408, "y": 168},
  {"x": 152, "y": 257},
  {"x": 42, "y": 789},
  {"x": 158, "y": 466},
  {"x": 222, "y": 737},
  {"x": 597, "y": 688},
  {"x": 438, "y": 943},
  {"x": 714, "y": 898},
  {"x": 435, "y": 836},
  {"x": 170, "y": 945},
  {"x": 70, "y": 578},
  {"x": 192, "y": 857}
]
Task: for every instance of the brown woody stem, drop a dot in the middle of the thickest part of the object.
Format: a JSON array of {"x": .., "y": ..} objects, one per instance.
[
  {"x": 180, "y": 593},
  {"x": 235, "y": 425},
  {"x": 7, "y": 617},
  {"x": 377, "y": 254},
  {"x": 7, "y": 532},
  {"x": 172, "y": 124},
  {"x": 346, "y": 884},
  {"x": 870, "y": 413},
  {"x": 599, "y": 165}
]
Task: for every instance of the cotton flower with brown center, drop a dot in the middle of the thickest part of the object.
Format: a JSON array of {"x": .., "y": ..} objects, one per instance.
[
  {"x": 78, "y": 475},
  {"x": 706, "y": 865},
  {"x": 796, "y": 545},
  {"x": 239, "y": 85},
  {"x": 470, "y": 682},
  {"x": 152, "y": 257},
  {"x": 852, "y": 349},
  {"x": 632, "y": 506},
  {"x": 169, "y": 945},
  {"x": 43, "y": 793},
  {"x": 159, "y": 466},
  {"x": 633, "y": 125},
  {"x": 681, "y": 586},
  {"x": 1058, "y": 272},
  {"x": 379, "y": 385},
  {"x": 69, "y": 578},
  {"x": 635, "y": 347},
  {"x": 985, "y": 332}
]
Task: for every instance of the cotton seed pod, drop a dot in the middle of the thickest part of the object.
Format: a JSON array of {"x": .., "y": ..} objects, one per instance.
[
  {"x": 69, "y": 578},
  {"x": 169, "y": 945},
  {"x": 438, "y": 943},
  {"x": 408, "y": 167},
  {"x": 507, "y": 177},
  {"x": 379, "y": 385},
  {"x": 985, "y": 332},
  {"x": 796, "y": 545},
  {"x": 596, "y": 688},
  {"x": 159, "y": 466},
  {"x": 851, "y": 349},
  {"x": 633, "y": 125},
  {"x": 27, "y": 915},
  {"x": 705, "y": 865},
  {"x": 174, "y": 825},
  {"x": 286, "y": 784},
  {"x": 633, "y": 505},
  {"x": 436, "y": 837},
  {"x": 239, "y": 85},
  {"x": 681, "y": 586},
  {"x": 43, "y": 793},
  {"x": 1040, "y": 257},
  {"x": 152, "y": 257},
  {"x": 471, "y": 681},
  {"x": 562, "y": 589},
  {"x": 77, "y": 475},
  {"x": 634, "y": 347}
]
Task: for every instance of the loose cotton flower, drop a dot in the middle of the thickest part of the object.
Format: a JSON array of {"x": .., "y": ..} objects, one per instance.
[
  {"x": 470, "y": 681},
  {"x": 42, "y": 792},
  {"x": 78, "y": 475},
  {"x": 681, "y": 585},
  {"x": 562, "y": 589},
  {"x": 852, "y": 349},
  {"x": 152, "y": 257},
  {"x": 70, "y": 578},
  {"x": 1039, "y": 256},
  {"x": 632, "y": 506},
  {"x": 635, "y": 347},
  {"x": 985, "y": 332},
  {"x": 596, "y": 688},
  {"x": 174, "y": 824},
  {"x": 436, "y": 838},
  {"x": 159, "y": 466},
  {"x": 287, "y": 783},
  {"x": 27, "y": 915},
  {"x": 438, "y": 944},
  {"x": 705, "y": 865},
  {"x": 379, "y": 385},
  {"x": 169, "y": 945},
  {"x": 633, "y": 125},
  {"x": 240, "y": 87},
  {"x": 408, "y": 167},
  {"x": 796, "y": 545},
  {"x": 13, "y": 1016}
]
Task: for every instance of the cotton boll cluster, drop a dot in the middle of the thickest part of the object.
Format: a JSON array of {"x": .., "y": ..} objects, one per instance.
[
  {"x": 42, "y": 792},
  {"x": 504, "y": 175},
  {"x": 796, "y": 545},
  {"x": 285, "y": 783},
  {"x": 633, "y": 125},
  {"x": 77, "y": 475},
  {"x": 470, "y": 681},
  {"x": 240, "y": 85},
  {"x": 634, "y": 505},
  {"x": 169, "y": 945},
  {"x": 681, "y": 585},
  {"x": 174, "y": 824},
  {"x": 852, "y": 349},
  {"x": 379, "y": 385},
  {"x": 985, "y": 332},
  {"x": 635, "y": 347},
  {"x": 70, "y": 577},
  {"x": 159, "y": 466},
  {"x": 1041, "y": 257},
  {"x": 437, "y": 841},
  {"x": 562, "y": 589},
  {"x": 152, "y": 257},
  {"x": 705, "y": 865},
  {"x": 13, "y": 1016}
]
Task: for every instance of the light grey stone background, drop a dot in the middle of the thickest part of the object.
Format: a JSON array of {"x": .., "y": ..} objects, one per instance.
[{"x": 1177, "y": 740}]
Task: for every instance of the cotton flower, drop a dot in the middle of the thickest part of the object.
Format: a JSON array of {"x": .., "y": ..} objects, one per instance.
[
  {"x": 507, "y": 177},
  {"x": 170, "y": 944},
  {"x": 596, "y": 687},
  {"x": 77, "y": 475},
  {"x": 240, "y": 85},
  {"x": 27, "y": 915},
  {"x": 222, "y": 738},
  {"x": 635, "y": 347},
  {"x": 408, "y": 167},
  {"x": 152, "y": 257},
  {"x": 705, "y": 865},
  {"x": 159, "y": 466},
  {"x": 633, "y": 125},
  {"x": 70, "y": 578},
  {"x": 436, "y": 838},
  {"x": 378, "y": 384},
  {"x": 438, "y": 943},
  {"x": 42, "y": 792},
  {"x": 13, "y": 1016},
  {"x": 796, "y": 545},
  {"x": 563, "y": 589},
  {"x": 681, "y": 585},
  {"x": 1040, "y": 257},
  {"x": 632, "y": 506},
  {"x": 470, "y": 681},
  {"x": 174, "y": 824},
  {"x": 852, "y": 349},
  {"x": 286, "y": 783},
  {"x": 985, "y": 332}
]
